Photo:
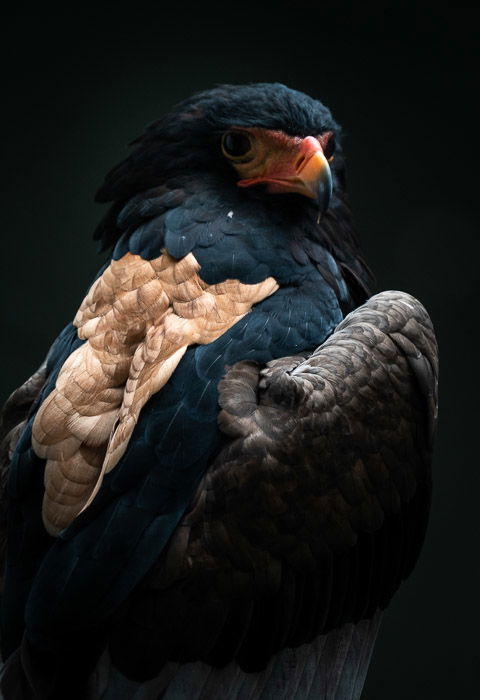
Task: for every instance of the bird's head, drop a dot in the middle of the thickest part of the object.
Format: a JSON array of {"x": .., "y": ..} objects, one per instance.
[
  {"x": 264, "y": 138},
  {"x": 280, "y": 162}
]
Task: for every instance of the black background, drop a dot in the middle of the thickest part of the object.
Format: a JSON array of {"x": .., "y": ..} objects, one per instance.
[{"x": 79, "y": 85}]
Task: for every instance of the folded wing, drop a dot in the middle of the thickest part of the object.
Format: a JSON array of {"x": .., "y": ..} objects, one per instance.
[{"x": 314, "y": 511}]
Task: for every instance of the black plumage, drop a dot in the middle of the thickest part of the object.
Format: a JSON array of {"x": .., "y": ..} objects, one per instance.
[{"x": 297, "y": 514}]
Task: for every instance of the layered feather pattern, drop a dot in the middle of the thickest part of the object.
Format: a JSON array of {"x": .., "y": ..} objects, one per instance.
[
  {"x": 218, "y": 478},
  {"x": 138, "y": 319}
]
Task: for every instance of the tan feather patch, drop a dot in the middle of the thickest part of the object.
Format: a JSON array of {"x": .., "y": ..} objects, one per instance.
[{"x": 138, "y": 319}]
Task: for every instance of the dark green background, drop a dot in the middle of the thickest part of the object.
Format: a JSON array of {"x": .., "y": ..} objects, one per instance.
[{"x": 79, "y": 85}]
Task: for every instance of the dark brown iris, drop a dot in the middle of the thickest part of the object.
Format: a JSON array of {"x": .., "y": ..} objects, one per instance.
[{"x": 236, "y": 144}]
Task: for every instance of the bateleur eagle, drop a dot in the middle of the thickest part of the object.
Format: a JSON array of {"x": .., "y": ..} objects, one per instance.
[{"x": 221, "y": 474}]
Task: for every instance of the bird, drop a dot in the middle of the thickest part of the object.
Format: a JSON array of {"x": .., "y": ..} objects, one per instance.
[{"x": 220, "y": 475}]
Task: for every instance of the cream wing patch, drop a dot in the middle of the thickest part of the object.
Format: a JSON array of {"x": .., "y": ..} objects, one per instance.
[{"x": 138, "y": 320}]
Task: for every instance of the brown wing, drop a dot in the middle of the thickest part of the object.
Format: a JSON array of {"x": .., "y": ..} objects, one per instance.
[
  {"x": 138, "y": 319},
  {"x": 313, "y": 513}
]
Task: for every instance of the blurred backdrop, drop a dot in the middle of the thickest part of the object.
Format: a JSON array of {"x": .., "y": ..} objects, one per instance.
[{"x": 79, "y": 84}]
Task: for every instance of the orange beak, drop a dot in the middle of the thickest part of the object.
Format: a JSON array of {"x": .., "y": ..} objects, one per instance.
[{"x": 289, "y": 164}]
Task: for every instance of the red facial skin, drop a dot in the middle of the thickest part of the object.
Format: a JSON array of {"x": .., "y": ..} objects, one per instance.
[{"x": 283, "y": 163}]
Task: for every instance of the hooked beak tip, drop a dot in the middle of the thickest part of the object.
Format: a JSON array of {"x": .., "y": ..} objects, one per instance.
[
  {"x": 316, "y": 177},
  {"x": 324, "y": 190}
]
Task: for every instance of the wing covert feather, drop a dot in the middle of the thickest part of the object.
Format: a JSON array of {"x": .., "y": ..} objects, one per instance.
[
  {"x": 137, "y": 321},
  {"x": 315, "y": 510}
]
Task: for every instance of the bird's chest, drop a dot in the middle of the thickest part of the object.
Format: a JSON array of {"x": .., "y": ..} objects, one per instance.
[
  {"x": 167, "y": 366},
  {"x": 297, "y": 317}
]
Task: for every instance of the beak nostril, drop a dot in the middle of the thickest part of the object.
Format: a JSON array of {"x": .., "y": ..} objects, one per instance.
[{"x": 300, "y": 162}]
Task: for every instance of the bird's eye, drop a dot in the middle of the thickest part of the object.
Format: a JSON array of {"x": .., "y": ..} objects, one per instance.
[{"x": 236, "y": 145}]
